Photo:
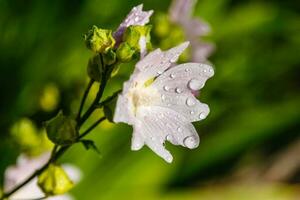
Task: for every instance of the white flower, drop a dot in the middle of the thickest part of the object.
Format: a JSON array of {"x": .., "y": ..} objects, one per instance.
[
  {"x": 180, "y": 12},
  {"x": 25, "y": 166},
  {"x": 158, "y": 101}
]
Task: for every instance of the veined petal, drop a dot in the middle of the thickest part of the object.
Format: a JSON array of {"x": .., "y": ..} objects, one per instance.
[
  {"x": 122, "y": 111},
  {"x": 158, "y": 124},
  {"x": 156, "y": 62},
  {"x": 176, "y": 86},
  {"x": 135, "y": 17}
]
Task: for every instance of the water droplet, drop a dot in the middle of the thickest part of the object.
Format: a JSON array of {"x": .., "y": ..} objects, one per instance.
[
  {"x": 163, "y": 97},
  {"x": 192, "y": 112},
  {"x": 166, "y": 88},
  {"x": 169, "y": 159},
  {"x": 191, "y": 142},
  {"x": 152, "y": 138},
  {"x": 136, "y": 19},
  {"x": 195, "y": 84},
  {"x": 172, "y": 75},
  {"x": 178, "y": 90},
  {"x": 187, "y": 70},
  {"x": 202, "y": 116},
  {"x": 190, "y": 102},
  {"x": 204, "y": 70},
  {"x": 179, "y": 129},
  {"x": 174, "y": 59},
  {"x": 169, "y": 137}
]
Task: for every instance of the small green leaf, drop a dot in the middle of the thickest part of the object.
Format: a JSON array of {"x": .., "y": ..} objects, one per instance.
[
  {"x": 54, "y": 180},
  {"x": 90, "y": 144}
]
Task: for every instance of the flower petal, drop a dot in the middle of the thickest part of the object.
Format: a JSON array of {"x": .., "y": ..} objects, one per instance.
[
  {"x": 158, "y": 124},
  {"x": 135, "y": 17},
  {"x": 156, "y": 62},
  {"x": 122, "y": 112},
  {"x": 180, "y": 10},
  {"x": 176, "y": 86}
]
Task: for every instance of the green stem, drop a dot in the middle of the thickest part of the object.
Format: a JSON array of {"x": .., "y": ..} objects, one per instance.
[
  {"x": 57, "y": 152},
  {"x": 86, "y": 92}
]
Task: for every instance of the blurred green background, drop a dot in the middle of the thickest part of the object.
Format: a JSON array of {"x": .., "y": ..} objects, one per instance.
[{"x": 249, "y": 143}]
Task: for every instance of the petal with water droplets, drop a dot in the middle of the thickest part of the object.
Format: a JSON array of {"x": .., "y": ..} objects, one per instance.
[
  {"x": 158, "y": 124},
  {"x": 177, "y": 92},
  {"x": 156, "y": 62}
]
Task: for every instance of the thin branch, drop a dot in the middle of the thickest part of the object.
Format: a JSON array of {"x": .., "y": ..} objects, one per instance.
[
  {"x": 108, "y": 99},
  {"x": 86, "y": 92},
  {"x": 91, "y": 127}
]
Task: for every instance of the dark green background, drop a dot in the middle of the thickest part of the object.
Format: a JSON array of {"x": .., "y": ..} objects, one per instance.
[{"x": 254, "y": 97}]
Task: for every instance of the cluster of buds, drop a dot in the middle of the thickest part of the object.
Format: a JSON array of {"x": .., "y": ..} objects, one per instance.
[{"x": 130, "y": 40}]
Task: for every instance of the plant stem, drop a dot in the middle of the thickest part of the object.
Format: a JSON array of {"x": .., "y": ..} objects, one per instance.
[
  {"x": 91, "y": 127},
  {"x": 86, "y": 92},
  {"x": 102, "y": 86},
  {"x": 57, "y": 151}
]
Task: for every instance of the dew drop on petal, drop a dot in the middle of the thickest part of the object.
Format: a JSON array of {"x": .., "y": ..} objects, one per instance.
[
  {"x": 195, "y": 84},
  {"x": 163, "y": 97},
  {"x": 173, "y": 59},
  {"x": 169, "y": 137},
  {"x": 159, "y": 72},
  {"x": 169, "y": 159},
  {"x": 136, "y": 19},
  {"x": 166, "y": 88},
  {"x": 172, "y": 75},
  {"x": 202, "y": 116},
  {"x": 179, "y": 129},
  {"x": 187, "y": 70},
  {"x": 190, "y": 142},
  {"x": 192, "y": 112},
  {"x": 178, "y": 90},
  {"x": 190, "y": 102}
]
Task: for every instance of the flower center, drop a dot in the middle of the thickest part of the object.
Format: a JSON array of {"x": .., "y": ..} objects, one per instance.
[{"x": 141, "y": 95}]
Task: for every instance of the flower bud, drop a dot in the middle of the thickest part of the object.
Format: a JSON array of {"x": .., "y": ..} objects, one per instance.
[
  {"x": 54, "y": 180},
  {"x": 61, "y": 130},
  {"x": 109, "y": 58},
  {"x": 94, "y": 68},
  {"x": 99, "y": 40},
  {"x": 125, "y": 52},
  {"x": 133, "y": 35}
]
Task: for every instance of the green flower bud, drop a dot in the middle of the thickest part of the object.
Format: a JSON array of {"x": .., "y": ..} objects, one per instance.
[
  {"x": 99, "y": 40},
  {"x": 134, "y": 33},
  {"x": 125, "y": 52},
  {"x": 25, "y": 134},
  {"x": 54, "y": 180},
  {"x": 109, "y": 58},
  {"x": 94, "y": 68},
  {"x": 61, "y": 130}
]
